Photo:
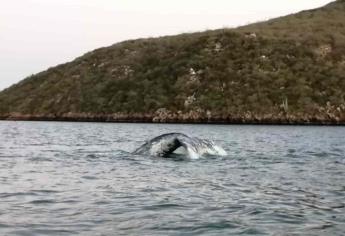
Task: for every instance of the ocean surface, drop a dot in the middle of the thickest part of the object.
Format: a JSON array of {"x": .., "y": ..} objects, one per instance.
[{"x": 59, "y": 178}]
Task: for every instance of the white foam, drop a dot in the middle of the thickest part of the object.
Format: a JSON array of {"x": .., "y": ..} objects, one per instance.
[
  {"x": 219, "y": 151},
  {"x": 210, "y": 150},
  {"x": 192, "y": 154}
]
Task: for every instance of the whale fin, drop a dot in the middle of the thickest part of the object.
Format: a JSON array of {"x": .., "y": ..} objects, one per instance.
[
  {"x": 166, "y": 144},
  {"x": 162, "y": 145}
]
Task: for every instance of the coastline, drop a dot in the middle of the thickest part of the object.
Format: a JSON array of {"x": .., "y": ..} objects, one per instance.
[{"x": 280, "y": 119}]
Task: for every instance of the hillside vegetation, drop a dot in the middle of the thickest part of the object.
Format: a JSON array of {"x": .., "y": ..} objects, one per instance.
[{"x": 286, "y": 70}]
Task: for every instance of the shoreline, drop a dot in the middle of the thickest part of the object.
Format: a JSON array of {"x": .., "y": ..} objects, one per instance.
[{"x": 207, "y": 121}]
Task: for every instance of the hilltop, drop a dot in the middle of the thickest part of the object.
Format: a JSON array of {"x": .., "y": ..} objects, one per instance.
[{"x": 286, "y": 70}]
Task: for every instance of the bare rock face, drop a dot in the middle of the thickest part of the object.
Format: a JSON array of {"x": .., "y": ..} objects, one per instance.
[
  {"x": 161, "y": 115},
  {"x": 250, "y": 35},
  {"x": 189, "y": 101},
  {"x": 323, "y": 50}
]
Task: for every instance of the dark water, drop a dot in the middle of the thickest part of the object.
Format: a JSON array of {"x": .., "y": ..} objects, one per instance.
[{"x": 79, "y": 178}]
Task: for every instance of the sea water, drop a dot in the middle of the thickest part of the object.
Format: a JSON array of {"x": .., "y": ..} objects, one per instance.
[{"x": 59, "y": 178}]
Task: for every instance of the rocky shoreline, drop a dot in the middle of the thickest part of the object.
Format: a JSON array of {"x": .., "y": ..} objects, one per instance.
[{"x": 184, "y": 118}]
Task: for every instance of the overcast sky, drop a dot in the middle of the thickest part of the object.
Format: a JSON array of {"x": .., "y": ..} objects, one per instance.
[{"x": 37, "y": 34}]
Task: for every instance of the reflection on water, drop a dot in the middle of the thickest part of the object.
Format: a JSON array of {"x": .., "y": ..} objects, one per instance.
[{"x": 81, "y": 178}]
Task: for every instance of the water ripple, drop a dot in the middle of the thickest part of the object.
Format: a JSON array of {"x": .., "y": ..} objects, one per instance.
[{"x": 81, "y": 178}]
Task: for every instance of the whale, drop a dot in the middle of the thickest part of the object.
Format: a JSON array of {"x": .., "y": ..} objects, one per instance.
[{"x": 166, "y": 144}]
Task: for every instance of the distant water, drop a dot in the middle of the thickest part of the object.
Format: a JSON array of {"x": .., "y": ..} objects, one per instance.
[{"x": 80, "y": 178}]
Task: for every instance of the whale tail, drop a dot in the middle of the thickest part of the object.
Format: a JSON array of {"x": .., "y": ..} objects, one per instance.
[{"x": 166, "y": 144}]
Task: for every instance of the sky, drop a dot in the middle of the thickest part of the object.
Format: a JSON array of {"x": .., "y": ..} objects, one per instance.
[{"x": 38, "y": 34}]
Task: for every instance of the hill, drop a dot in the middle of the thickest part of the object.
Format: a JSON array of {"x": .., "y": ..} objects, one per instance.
[{"x": 286, "y": 70}]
